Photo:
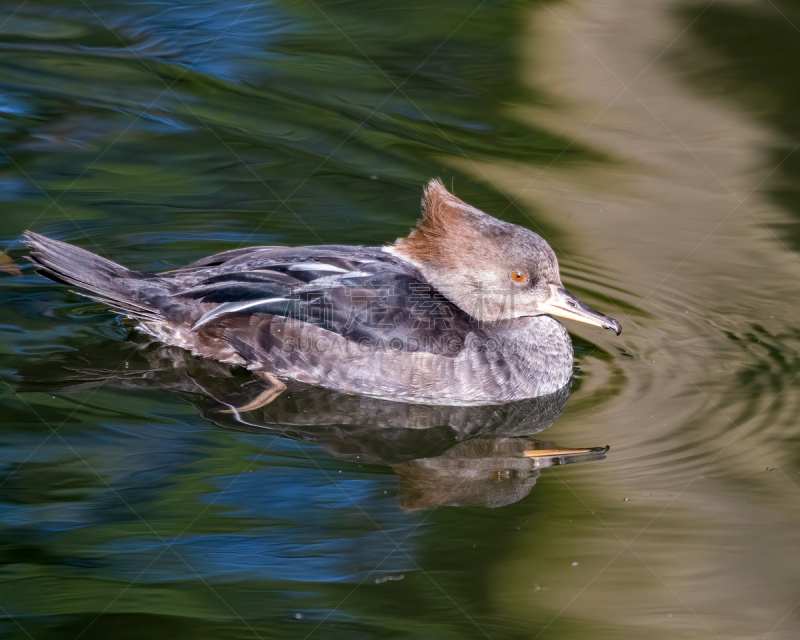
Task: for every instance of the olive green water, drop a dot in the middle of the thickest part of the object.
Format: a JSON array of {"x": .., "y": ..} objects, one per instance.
[{"x": 653, "y": 144}]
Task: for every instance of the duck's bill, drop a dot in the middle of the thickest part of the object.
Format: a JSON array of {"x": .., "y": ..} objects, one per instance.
[
  {"x": 557, "y": 452},
  {"x": 564, "y": 304}
]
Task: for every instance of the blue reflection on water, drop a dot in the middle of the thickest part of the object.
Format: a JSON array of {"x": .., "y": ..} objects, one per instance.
[
  {"x": 292, "y": 523},
  {"x": 322, "y": 531},
  {"x": 268, "y": 555},
  {"x": 227, "y": 39}
]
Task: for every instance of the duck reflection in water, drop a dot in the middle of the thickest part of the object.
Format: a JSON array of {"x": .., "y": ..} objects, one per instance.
[{"x": 444, "y": 455}]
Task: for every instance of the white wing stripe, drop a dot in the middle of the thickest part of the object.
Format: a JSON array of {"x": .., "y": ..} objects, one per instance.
[
  {"x": 316, "y": 266},
  {"x": 232, "y": 307}
]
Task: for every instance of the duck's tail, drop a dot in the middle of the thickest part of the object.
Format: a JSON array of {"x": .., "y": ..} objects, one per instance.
[{"x": 134, "y": 293}]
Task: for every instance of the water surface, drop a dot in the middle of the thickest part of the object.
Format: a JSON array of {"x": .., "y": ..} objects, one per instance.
[{"x": 652, "y": 144}]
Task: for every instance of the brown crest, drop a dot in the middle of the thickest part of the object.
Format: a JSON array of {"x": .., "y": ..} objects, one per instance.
[{"x": 442, "y": 218}]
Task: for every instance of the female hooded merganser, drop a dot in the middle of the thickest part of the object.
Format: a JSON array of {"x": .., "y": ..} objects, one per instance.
[{"x": 458, "y": 312}]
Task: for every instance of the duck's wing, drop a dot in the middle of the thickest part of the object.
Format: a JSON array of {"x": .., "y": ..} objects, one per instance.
[{"x": 361, "y": 294}]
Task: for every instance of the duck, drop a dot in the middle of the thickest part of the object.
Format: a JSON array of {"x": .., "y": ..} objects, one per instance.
[{"x": 462, "y": 311}]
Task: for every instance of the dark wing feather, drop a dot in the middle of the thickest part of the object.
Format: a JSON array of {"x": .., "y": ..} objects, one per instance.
[
  {"x": 359, "y": 293},
  {"x": 392, "y": 308},
  {"x": 233, "y": 287}
]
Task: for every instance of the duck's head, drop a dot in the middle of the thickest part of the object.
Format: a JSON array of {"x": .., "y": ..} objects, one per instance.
[{"x": 492, "y": 269}]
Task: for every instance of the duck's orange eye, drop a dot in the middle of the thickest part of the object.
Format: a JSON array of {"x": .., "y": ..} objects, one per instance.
[{"x": 518, "y": 277}]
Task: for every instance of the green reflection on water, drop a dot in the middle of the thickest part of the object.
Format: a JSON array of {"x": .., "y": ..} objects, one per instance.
[
  {"x": 297, "y": 123},
  {"x": 751, "y": 55}
]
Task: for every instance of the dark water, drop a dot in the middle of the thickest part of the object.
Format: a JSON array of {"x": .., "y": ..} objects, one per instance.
[{"x": 653, "y": 144}]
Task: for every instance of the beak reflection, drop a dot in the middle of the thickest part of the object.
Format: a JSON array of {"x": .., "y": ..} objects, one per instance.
[{"x": 564, "y": 304}]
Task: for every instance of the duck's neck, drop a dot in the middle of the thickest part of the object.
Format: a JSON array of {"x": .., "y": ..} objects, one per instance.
[{"x": 538, "y": 345}]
